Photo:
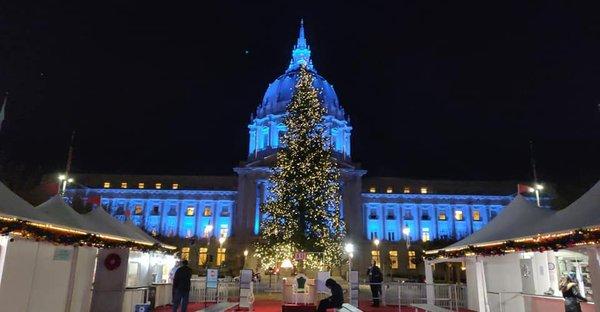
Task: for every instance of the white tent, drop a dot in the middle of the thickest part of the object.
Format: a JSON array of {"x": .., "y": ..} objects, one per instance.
[
  {"x": 582, "y": 213},
  {"x": 519, "y": 218},
  {"x": 11, "y": 205},
  {"x": 56, "y": 211},
  {"x": 139, "y": 232},
  {"x": 105, "y": 223}
]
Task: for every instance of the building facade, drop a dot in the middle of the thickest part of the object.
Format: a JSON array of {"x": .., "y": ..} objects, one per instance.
[{"x": 217, "y": 218}]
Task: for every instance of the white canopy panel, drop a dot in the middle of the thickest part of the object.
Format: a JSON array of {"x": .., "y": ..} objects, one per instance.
[
  {"x": 519, "y": 218},
  {"x": 11, "y": 205},
  {"x": 582, "y": 213}
]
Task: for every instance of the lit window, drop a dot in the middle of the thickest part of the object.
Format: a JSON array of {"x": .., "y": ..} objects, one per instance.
[
  {"x": 158, "y": 186},
  {"x": 442, "y": 216},
  {"x": 424, "y": 190},
  {"x": 411, "y": 260},
  {"x": 220, "y": 256},
  {"x": 476, "y": 215},
  {"x": 224, "y": 231},
  {"x": 138, "y": 210},
  {"x": 106, "y": 184},
  {"x": 372, "y": 189},
  {"x": 185, "y": 253},
  {"x": 190, "y": 211},
  {"x": 389, "y": 190},
  {"x": 394, "y": 259},
  {"x": 202, "y": 255},
  {"x": 224, "y": 211},
  {"x": 123, "y": 184},
  {"x": 407, "y": 190},
  {"x": 375, "y": 257},
  {"x": 425, "y": 235},
  {"x": 207, "y": 211},
  {"x": 458, "y": 215},
  {"x": 175, "y": 186},
  {"x": 141, "y": 185}
]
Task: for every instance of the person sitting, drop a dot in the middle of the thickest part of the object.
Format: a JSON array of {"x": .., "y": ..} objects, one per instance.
[{"x": 335, "y": 300}]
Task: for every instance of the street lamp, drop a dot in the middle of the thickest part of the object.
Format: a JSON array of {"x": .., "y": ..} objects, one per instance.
[
  {"x": 62, "y": 185},
  {"x": 245, "y": 256},
  {"x": 349, "y": 247},
  {"x": 537, "y": 188},
  {"x": 221, "y": 242},
  {"x": 406, "y": 232}
]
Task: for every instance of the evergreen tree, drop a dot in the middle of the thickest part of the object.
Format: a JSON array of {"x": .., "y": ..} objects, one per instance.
[{"x": 302, "y": 212}]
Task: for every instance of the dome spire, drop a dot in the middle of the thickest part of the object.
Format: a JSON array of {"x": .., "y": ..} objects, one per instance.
[{"x": 301, "y": 52}]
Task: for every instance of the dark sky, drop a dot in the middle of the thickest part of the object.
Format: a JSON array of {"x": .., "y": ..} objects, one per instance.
[{"x": 434, "y": 89}]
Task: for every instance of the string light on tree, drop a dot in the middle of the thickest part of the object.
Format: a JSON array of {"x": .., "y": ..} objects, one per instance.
[{"x": 302, "y": 212}]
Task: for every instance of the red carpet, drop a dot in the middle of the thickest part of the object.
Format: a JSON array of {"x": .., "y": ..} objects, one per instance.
[{"x": 275, "y": 306}]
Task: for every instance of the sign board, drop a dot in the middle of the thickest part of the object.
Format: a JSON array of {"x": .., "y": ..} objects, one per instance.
[
  {"x": 245, "y": 279},
  {"x": 212, "y": 278},
  {"x": 353, "y": 292},
  {"x": 61, "y": 254},
  {"x": 300, "y": 256},
  {"x": 321, "y": 279},
  {"x": 142, "y": 307}
]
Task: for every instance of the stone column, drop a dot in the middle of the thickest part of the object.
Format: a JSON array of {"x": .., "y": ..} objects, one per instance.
[{"x": 429, "y": 282}]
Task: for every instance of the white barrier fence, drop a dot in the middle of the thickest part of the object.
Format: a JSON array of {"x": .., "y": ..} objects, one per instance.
[
  {"x": 450, "y": 296},
  {"x": 225, "y": 291},
  {"x": 517, "y": 301}
]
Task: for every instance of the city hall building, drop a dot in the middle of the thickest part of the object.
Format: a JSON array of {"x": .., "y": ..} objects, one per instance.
[{"x": 214, "y": 219}]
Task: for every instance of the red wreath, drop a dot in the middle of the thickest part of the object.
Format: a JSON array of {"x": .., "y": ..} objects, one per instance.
[{"x": 112, "y": 261}]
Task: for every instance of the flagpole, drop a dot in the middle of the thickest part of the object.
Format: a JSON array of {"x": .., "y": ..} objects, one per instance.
[
  {"x": 65, "y": 179},
  {"x": 535, "y": 181}
]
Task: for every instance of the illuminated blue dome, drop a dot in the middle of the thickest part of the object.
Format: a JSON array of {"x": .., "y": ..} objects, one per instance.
[
  {"x": 267, "y": 127},
  {"x": 279, "y": 94}
]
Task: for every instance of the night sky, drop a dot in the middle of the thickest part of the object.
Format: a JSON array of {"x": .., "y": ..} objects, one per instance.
[{"x": 434, "y": 89}]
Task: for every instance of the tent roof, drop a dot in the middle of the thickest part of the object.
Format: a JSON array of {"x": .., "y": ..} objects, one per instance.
[
  {"x": 140, "y": 233},
  {"x": 520, "y": 218},
  {"x": 56, "y": 211},
  {"x": 582, "y": 213},
  {"x": 14, "y": 206},
  {"x": 105, "y": 223}
]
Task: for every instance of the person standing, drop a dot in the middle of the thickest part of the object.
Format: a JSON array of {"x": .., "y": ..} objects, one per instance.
[
  {"x": 375, "y": 280},
  {"x": 570, "y": 292},
  {"x": 335, "y": 300},
  {"x": 181, "y": 286}
]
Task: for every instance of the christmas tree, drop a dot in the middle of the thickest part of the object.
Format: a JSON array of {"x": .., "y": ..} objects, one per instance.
[{"x": 302, "y": 211}]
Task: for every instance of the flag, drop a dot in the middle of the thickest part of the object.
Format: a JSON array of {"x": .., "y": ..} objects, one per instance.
[{"x": 522, "y": 188}]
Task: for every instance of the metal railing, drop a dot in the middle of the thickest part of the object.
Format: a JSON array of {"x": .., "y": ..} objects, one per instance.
[
  {"x": 518, "y": 301},
  {"x": 450, "y": 296},
  {"x": 225, "y": 291}
]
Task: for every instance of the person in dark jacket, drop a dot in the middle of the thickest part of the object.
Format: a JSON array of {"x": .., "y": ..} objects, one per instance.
[
  {"x": 570, "y": 291},
  {"x": 181, "y": 286},
  {"x": 375, "y": 280},
  {"x": 335, "y": 300}
]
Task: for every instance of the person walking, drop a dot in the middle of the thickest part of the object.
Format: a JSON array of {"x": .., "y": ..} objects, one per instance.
[
  {"x": 570, "y": 291},
  {"x": 181, "y": 286},
  {"x": 335, "y": 300},
  {"x": 375, "y": 280}
]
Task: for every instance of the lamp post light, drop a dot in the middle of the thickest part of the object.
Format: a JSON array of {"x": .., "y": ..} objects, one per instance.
[
  {"x": 221, "y": 242},
  {"x": 245, "y": 256},
  {"x": 62, "y": 185},
  {"x": 406, "y": 232},
  {"x": 349, "y": 248}
]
